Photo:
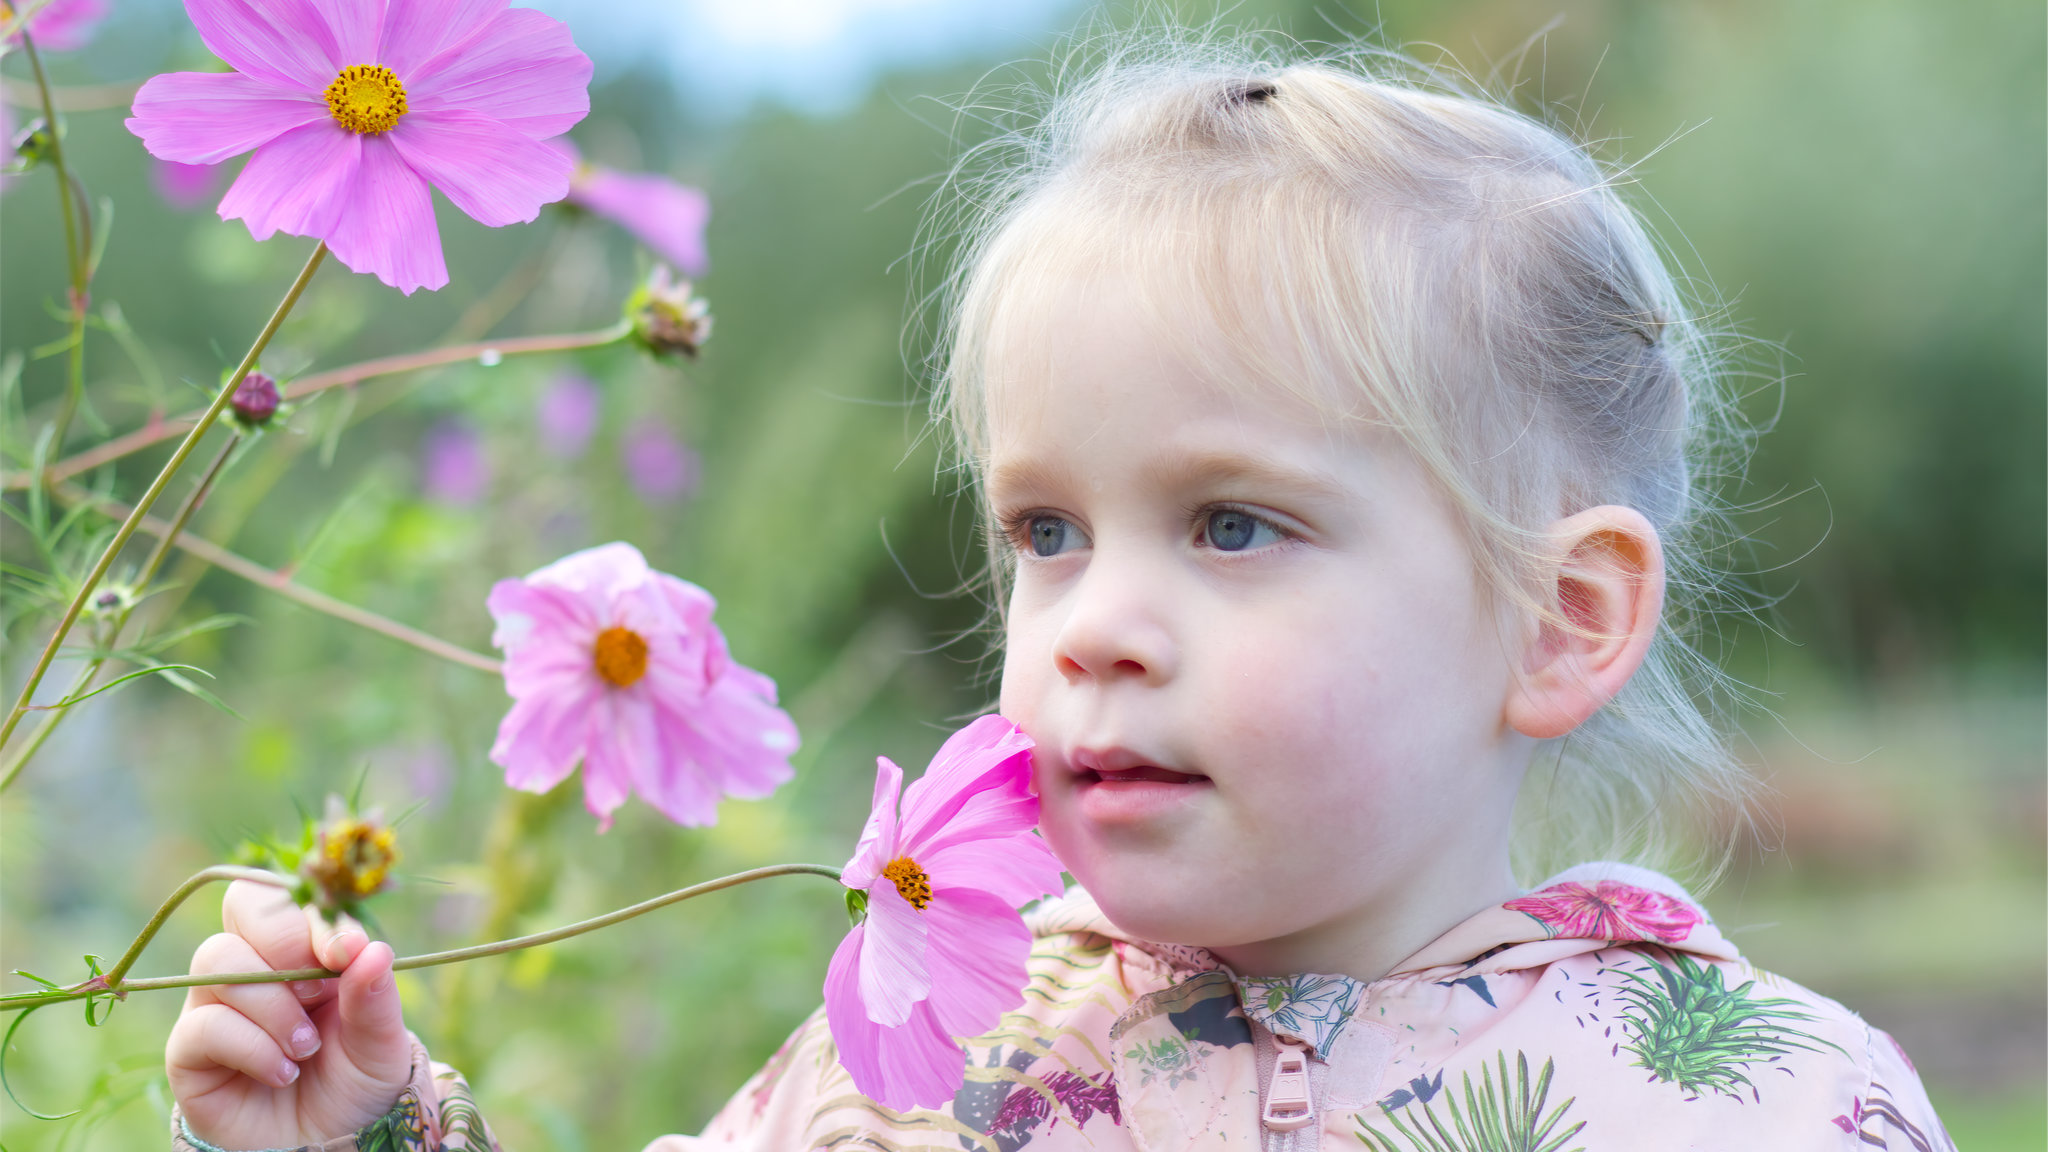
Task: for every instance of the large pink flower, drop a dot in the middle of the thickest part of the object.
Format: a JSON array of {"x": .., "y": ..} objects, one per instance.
[
  {"x": 618, "y": 666},
  {"x": 941, "y": 953},
  {"x": 356, "y": 107},
  {"x": 1609, "y": 910},
  {"x": 60, "y": 25}
]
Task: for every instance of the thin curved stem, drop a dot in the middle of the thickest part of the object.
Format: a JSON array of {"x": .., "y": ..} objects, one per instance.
[
  {"x": 74, "y": 253},
  {"x": 156, "y": 488},
  {"x": 275, "y": 581},
  {"x": 158, "y": 431},
  {"x": 112, "y": 984},
  {"x": 150, "y": 568}
]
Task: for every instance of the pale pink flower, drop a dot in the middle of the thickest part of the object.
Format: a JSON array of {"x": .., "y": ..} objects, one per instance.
[
  {"x": 61, "y": 25},
  {"x": 941, "y": 952},
  {"x": 666, "y": 216},
  {"x": 355, "y": 108},
  {"x": 1609, "y": 910},
  {"x": 617, "y": 666},
  {"x": 184, "y": 186}
]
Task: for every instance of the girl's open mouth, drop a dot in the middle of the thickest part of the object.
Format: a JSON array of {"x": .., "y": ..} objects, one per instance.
[{"x": 1143, "y": 774}]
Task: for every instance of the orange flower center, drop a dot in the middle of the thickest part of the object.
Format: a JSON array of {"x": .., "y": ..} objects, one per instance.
[
  {"x": 910, "y": 880},
  {"x": 366, "y": 99},
  {"x": 357, "y": 857},
  {"x": 621, "y": 656}
]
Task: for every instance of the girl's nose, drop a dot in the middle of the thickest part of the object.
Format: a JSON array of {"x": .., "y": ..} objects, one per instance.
[{"x": 1117, "y": 630}]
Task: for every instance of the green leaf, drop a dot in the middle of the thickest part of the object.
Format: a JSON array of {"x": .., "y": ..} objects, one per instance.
[
  {"x": 6, "y": 1046},
  {"x": 155, "y": 669}
]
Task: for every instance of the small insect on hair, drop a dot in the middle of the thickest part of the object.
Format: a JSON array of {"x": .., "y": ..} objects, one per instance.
[{"x": 1250, "y": 92}]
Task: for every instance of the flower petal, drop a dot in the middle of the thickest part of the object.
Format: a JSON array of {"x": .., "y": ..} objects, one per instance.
[
  {"x": 893, "y": 974},
  {"x": 878, "y": 838},
  {"x": 522, "y": 68},
  {"x": 664, "y": 215},
  {"x": 978, "y": 787},
  {"x": 540, "y": 740},
  {"x": 208, "y": 117},
  {"x": 298, "y": 183},
  {"x": 914, "y": 1065},
  {"x": 357, "y": 27},
  {"x": 387, "y": 228},
  {"x": 975, "y": 953},
  {"x": 735, "y": 738},
  {"x": 487, "y": 169},
  {"x": 622, "y": 748},
  {"x": 603, "y": 570},
  {"x": 64, "y": 25},
  {"x": 417, "y": 31},
  {"x": 287, "y": 42},
  {"x": 1016, "y": 870}
]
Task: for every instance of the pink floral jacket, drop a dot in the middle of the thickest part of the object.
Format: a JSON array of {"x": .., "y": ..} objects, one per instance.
[{"x": 1602, "y": 1011}]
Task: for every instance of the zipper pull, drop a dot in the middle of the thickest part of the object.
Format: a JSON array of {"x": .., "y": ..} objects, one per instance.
[{"x": 1288, "y": 1106}]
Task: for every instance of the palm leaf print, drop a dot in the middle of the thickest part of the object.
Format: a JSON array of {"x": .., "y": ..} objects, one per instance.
[
  {"x": 1491, "y": 1118},
  {"x": 1689, "y": 1029}
]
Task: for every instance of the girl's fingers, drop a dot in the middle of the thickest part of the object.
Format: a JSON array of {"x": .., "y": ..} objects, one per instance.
[
  {"x": 275, "y": 1008},
  {"x": 373, "y": 1035},
  {"x": 271, "y": 922},
  {"x": 214, "y": 1036}
]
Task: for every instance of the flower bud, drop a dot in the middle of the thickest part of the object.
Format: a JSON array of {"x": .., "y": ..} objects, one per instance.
[
  {"x": 255, "y": 400},
  {"x": 667, "y": 317}
]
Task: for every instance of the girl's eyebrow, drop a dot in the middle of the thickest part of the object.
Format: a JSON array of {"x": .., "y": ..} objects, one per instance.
[{"x": 1206, "y": 468}]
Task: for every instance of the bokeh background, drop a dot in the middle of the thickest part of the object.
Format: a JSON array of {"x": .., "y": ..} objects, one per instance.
[{"x": 1857, "y": 186}]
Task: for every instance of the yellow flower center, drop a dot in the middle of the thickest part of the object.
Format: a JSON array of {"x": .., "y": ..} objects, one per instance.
[
  {"x": 621, "y": 656},
  {"x": 366, "y": 99},
  {"x": 910, "y": 880},
  {"x": 359, "y": 856}
]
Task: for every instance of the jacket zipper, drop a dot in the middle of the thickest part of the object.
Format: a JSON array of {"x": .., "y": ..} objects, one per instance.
[{"x": 1285, "y": 1073}]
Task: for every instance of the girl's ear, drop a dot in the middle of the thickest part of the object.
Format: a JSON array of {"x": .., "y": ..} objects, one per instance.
[{"x": 1607, "y": 586}]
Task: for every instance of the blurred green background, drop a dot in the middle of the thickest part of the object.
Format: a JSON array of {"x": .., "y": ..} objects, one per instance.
[{"x": 1857, "y": 184}]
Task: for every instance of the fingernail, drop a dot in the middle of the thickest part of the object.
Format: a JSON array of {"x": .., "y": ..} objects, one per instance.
[
  {"x": 287, "y": 1072},
  {"x": 307, "y": 989},
  {"x": 341, "y": 950},
  {"x": 305, "y": 1040}
]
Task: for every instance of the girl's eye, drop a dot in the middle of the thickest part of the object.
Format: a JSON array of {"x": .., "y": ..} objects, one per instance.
[
  {"x": 1234, "y": 530},
  {"x": 1051, "y": 535}
]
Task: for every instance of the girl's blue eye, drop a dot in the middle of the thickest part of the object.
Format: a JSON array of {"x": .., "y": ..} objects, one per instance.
[
  {"x": 1051, "y": 535},
  {"x": 1231, "y": 530}
]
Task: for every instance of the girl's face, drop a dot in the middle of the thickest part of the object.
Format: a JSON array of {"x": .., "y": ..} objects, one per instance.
[{"x": 1265, "y": 680}]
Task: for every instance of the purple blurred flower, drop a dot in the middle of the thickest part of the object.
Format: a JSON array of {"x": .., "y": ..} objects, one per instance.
[
  {"x": 356, "y": 110},
  {"x": 61, "y": 25},
  {"x": 618, "y": 666},
  {"x": 456, "y": 471},
  {"x": 666, "y": 216},
  {"x": 568, "y": 416},
  {"x": 660, "y": 468},
  {"x": 184, "y": 186}
]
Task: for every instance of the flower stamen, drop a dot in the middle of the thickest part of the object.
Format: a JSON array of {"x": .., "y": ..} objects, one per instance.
[
  {"x": 366, "y": 99},
  {"x": 620, "y": 656},
  {"x": 910, "y": 880}
]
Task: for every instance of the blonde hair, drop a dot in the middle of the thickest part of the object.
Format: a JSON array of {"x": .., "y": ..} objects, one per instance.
[{"x": 1451, "y": 270}]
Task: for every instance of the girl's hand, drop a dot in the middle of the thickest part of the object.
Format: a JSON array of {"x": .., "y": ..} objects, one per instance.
[{"x": 280, "y": 1065}]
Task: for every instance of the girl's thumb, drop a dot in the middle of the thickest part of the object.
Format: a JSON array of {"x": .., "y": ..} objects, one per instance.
[{"x": 373, "y": 1033}]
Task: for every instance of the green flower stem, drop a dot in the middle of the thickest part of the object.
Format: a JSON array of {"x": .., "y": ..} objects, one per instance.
[
  {"x": 160, "y": 430},
  {"x": 156, "y": 488},
  {"x": 74, "y": 254},
  {"x": 274, "y": 581},
  {"x": 113, "y": 982},
  {"x": 150, "y": 568}
]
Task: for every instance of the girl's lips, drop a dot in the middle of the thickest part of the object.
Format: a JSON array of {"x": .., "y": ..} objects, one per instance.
[{"x": 1134, "y": 795}]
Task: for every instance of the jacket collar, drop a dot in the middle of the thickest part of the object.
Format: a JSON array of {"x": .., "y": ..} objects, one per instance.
[{"x": 1581, "y": 909}]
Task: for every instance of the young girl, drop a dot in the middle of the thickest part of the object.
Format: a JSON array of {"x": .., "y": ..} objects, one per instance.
[{"x": 1337, "y": 436}]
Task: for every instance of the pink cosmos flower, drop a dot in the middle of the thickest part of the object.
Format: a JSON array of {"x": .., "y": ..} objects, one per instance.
[
  {"x": 1609, "y": 911},
  {"x": 356, "y": 107},
  {"x": 618, "y": 666},
  {"x": 941, "y": 952},
  {"x": 666, "y": 216},
  {"x": 455, "y": 469},
  {"x": 61, "y": 25}
]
